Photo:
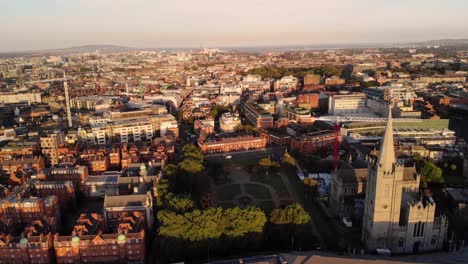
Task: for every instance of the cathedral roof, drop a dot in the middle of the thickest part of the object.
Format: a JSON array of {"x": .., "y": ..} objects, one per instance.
[
  {"x": 387, "y": 150},
  {"x": 350, "y": 174}
]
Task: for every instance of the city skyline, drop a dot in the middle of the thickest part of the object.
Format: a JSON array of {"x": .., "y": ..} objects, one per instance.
[{"x": 36, "y": 25}]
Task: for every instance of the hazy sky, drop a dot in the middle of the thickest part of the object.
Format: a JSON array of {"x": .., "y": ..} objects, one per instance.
[{"x": 41, "y": 24}]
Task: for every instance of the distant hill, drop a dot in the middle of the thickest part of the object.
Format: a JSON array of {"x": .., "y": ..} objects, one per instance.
[
  {"x": 455, "y": 43},
  {"x": 68, "y": 51}
]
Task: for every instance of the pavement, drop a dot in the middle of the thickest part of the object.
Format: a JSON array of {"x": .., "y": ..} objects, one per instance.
[
  {"x": 253, "y": 153},
  {"x": 320, "y": 257}
]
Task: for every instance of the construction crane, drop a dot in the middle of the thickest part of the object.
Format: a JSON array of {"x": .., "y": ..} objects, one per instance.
[{"x": 336, "y": 146}]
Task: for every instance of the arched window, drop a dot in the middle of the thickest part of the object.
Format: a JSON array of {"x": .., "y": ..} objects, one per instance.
[{"x": 433, "y": 239}]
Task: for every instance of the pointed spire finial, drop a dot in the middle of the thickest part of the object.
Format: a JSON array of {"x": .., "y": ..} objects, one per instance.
[{"x": 387, "y": 151}]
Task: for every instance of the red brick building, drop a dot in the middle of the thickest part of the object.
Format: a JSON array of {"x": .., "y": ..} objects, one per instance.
[
  {"x": 76, "y": 175},
  {"x": 25, "y": 210},
  {"x": 63, "y": 190},
  {"x": 36, "y": 164},
  {"x": 35, "y": 245},
  {"x": 232, "y": 142},
  {"x": 87, "y": 244},
  {"x": 308, "y": 100},
  {"x": 308, "y": 143}
]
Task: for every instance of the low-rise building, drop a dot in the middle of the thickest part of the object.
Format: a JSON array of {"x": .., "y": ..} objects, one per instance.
[
  {"x": 63, "y": 190},
  {"x": 204, "y": 125},
  {"x": 76, "y": 175},
  {"x": 231, "y": 142},
  {"x": 116, "y": 206},
  {"x": 34, "y": 246},
  {"x": 228, "y": 122},
  {"x": 88, "y": 244},
  {"x": 297, "y": 114},
  {"x": 310, "y": 142},
  {"x": 312, "y": 79},
  {"x": 258, "y": 115}
]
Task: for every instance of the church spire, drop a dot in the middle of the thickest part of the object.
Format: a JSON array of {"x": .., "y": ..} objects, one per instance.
[{"x": 387, "y": 151}]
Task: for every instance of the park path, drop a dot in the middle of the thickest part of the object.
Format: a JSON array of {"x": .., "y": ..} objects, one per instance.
[
  {"x": 290, "y": 189},
  {"x": 241, "y": 177}
]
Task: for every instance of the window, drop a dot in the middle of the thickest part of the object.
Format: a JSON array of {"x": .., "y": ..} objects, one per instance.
[
  {"x": 387, "y": 190},
  {"x": 401, "y": 242},
  {"x": 433, "y": 240}
]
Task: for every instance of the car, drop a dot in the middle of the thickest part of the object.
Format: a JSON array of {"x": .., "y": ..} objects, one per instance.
[
  {"x": 228, "y": 157},
  {"x": 347, "y": 222}
]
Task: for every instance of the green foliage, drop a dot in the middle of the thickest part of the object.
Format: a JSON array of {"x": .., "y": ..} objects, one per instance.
[
  {"x": 191, "y": 166},
  {"x": 430, "y": 173},
  {"x": 266, "y": 163},
  {"x": 180, "y": 204},
  {"x": 270, "y": 72},
  {"x": 218, "y": 110},
  {"x": 279, "y": 72},
  {"x": 192, "y": 152},
  {"x": 214, "y": 113},
  {"x": 163, "y": 190},
  {"x": 310, "y": 182},
  {"x": 288, "y": 159},
  {"x": 212, "y": 223},
  {"x": 453, "y": 167},
  {"x": 292, "y": 214},
  {"x": 170, "y": 170}
]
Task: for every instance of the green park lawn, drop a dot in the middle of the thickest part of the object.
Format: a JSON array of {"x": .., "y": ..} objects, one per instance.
[
  {"x": 228, "y": 192},
  {"x": 274, "y": 180},
  {"x": 257, "y": 191}
]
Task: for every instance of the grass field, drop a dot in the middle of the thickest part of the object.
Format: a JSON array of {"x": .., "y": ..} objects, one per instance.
[
  {"x": 274, "y": 180},
  {"x": 267, "y": 206},
  {"x": 227, "y": 204},
  {"x": 228, "y": 192},
  {"x": 258, "y": 191}
]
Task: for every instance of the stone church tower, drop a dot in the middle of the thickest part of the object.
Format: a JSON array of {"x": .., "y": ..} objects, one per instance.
[{"x": 396, "y": 215}]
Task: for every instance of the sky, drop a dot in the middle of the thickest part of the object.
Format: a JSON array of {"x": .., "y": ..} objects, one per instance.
[{"x": 47, "y": 24}]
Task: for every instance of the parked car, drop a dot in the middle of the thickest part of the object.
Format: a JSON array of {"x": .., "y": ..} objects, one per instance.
[{"x": 347, "y": 222}]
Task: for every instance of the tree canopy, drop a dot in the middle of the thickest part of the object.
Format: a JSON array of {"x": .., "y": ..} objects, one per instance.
[
  {"x": 292, "y": 214},
  {"x": 266, "y": 163},
  {"x": 288, "y": 159},
  {"x": 211, "y": 223}
]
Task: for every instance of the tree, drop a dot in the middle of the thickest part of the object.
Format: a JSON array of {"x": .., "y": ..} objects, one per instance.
[
  {"x": 192, "y": 152},
  {"x": 292, "y": 214},
  {"x": 191, "y": 166},
  {"x": 265, "y": 163},
  {"x": 180, "y": 204},
  {"x": 162, "y": 191},
  {"x": 453, "y": 167},
  {"x": 288, "y": 159},
  {"x": 170, "y": 170},
  {"x": 211, "y": 223},
  {"x": 430, "y": 173},
  {"x": 214, "y": 113}
]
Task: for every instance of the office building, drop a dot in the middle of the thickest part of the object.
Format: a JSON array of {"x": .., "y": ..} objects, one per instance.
[{"x": 345, "y": 104}]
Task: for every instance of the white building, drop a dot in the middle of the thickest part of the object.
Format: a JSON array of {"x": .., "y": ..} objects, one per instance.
[
  {"x": 228, "y": 122},
  {"x": 251, "y": 78},
  {"x": 347, "y": 104},
  {"x": 12, "y": 98}
]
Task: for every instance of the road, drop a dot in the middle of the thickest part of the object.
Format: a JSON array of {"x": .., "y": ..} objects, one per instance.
[{"x": 251, "y": 153}]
